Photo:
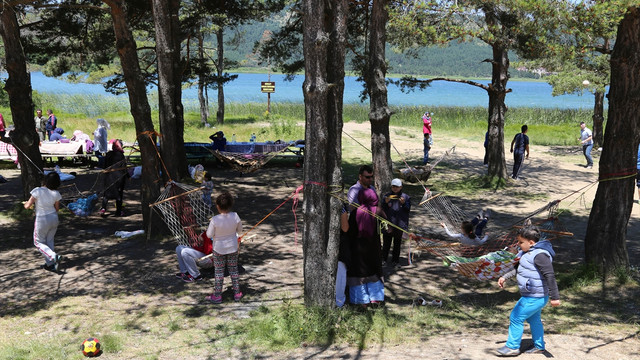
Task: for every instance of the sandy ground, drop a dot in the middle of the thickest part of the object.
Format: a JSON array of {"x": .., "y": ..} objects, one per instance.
[{"x": 273, "y": 259}]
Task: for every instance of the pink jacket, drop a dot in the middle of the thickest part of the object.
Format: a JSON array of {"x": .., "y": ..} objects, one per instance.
[{"x": 426, "y": 127}]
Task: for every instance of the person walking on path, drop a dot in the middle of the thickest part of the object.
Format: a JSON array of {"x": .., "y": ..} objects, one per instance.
[
  {"x": 47, "y": 203},
  {"x": 586, "y": 139},
  {"x": 428, "y": 139},
  {"x": 519, "y": 145},
  {"x": 537, "y": 283}
]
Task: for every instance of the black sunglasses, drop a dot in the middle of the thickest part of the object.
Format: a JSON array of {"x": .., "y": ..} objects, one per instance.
[{"x": 367, "y": 176}]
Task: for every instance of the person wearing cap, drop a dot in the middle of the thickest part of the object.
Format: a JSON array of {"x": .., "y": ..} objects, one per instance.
[
  {"x": 397, "y": 206},
  {"x": 426, "y": 132}
]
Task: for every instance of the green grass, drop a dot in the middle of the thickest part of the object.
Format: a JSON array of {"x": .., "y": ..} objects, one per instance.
[{"x": 546, "y": 126}]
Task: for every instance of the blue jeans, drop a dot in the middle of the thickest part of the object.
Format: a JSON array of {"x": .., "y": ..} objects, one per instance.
[
  {"x": 479, "y": 225},
  {"x": 586, "y": 150},
  {"x": 366, "y": 293},
  {"x": 427, "y": 147},
  {"x": 527, "y": 309}
]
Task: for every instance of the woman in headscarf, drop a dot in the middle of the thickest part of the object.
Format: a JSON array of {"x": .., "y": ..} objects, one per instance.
[
  {"x": 100, "y": 138},
  {"x": 115, "y": 178},
  {"x": 364, "y": 276}
]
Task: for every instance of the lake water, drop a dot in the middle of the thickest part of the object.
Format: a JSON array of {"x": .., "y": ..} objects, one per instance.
[{"x": 246, "y": 88}]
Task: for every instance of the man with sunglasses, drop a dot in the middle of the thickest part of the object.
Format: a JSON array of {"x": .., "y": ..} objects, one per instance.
[{"x": 365, "y": 179}]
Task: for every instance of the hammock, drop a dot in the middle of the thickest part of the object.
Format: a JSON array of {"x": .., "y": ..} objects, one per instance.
[
  {"x": 245, "y": 163},
  {"x": 184, "y": 211},
  {"x": 496, "y": 256}
]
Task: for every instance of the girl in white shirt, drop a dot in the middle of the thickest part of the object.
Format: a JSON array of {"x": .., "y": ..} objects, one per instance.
[
  {"x": 223, "y": 230},
  {"x": 47, "y": 203}
]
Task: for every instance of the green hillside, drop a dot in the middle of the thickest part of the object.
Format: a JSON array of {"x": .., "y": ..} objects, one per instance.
[{"x": 454, "y": 60}]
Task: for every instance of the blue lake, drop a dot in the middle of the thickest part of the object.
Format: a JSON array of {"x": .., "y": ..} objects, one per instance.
[{"x": 246, "y": 88}]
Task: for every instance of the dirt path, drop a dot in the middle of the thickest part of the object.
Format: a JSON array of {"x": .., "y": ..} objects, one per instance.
[{"x": 273, "y": 259}]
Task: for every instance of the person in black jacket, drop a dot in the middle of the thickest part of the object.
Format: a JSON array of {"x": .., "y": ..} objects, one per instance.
[{"x": 115, "y": 178}]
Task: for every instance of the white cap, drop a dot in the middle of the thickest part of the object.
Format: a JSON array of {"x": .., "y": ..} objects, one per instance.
[{"x": 396, "y": 182}]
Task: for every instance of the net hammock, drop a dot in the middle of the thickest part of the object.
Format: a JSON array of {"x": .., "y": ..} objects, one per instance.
[
  {"x": 497, "y": 255},
  {"x": 245, "y": 163},
  {"x": 185, "y": 213},
  {"x": 82, "y": 203},
  {"x": 422, "y": 172}
]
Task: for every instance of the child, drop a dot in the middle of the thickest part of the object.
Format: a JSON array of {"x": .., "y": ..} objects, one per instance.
[
  {"x": 187, "y": 256},
  {"x": 397, "y": 206},
  {"x": 469, "y": 236},
  {"x": 537, "y": 284},
  {"x": 223, "y": 230},
  {"x": 208, "y": 189},
  {"x": 47, "y": 203}
]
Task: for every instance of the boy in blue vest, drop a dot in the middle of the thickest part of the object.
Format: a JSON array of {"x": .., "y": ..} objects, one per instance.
[{"x": 537, "y": 283}]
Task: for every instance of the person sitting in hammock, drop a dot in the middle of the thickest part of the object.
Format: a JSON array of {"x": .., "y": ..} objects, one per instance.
[{"x": 471, "y": 231}]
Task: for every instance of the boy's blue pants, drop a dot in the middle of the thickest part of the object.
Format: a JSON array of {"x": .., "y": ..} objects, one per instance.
[{"x": 527, "y": 309}]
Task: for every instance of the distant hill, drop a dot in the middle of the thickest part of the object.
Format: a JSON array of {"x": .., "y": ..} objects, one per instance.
[{"x": 454, "y": 60}]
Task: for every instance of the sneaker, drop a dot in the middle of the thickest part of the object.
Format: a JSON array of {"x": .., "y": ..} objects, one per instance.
[
  {"x": 487, "y": 214},
  {"x": 120, "y": 213},
  {"x": 534, "y": 350},
  {"x": 480, "y": 214},
  {"x": 188, "y": 278},
  {"x": 56, "y": 265},
  {"x": 237, "y": 296},
  {"x": 589, "y": 166},
  {"x": 103, "y": 212},
  {"x": 48, "y": 267},
  {"x": 216, "y": 299},
  {"x": 180, "y": 275},
  {"x": 507, "y": 351}
]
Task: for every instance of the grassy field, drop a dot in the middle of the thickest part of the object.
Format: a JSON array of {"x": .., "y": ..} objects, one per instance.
[{"x": 546, "y": 126}]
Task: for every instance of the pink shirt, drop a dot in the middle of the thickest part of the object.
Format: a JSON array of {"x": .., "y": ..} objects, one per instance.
[{"x": 426, "y": 127}]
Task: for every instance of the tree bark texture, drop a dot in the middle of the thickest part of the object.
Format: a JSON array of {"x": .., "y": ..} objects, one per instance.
[
  {"x": 140, "y": 110},
  {"x": 598, "y": 119},
  {"x": 324, "y": 48},
  {"x": 18, "y": 87},
  {"x": 204, "y": 105},
  {"x": 605, "y": 241},
  {"x": 167, "y": 25},
  {"x": 379, "y": 112},
  {"x": 497, "y": 111},
  {"x": 220, "y": 68}
]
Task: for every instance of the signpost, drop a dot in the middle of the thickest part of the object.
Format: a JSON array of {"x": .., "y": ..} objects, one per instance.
[{"x": 268, "y": 87}]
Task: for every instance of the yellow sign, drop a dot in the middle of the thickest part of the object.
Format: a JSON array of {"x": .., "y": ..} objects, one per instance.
[{"x": 268, "y": 86}]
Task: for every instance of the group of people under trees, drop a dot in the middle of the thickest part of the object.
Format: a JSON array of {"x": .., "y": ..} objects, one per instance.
[{"x": 361, "y": 257}]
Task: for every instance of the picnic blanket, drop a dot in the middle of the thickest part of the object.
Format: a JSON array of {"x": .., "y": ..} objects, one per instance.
[
  {"x": 8, "y": 152},
  {"x": 53, "y": 148}
]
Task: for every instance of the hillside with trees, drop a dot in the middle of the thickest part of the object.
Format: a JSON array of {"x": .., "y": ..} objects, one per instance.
[{"x": 454, "y": 60}]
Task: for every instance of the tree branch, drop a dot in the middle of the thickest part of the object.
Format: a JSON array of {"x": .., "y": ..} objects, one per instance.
[{"x": 411, "y": 83}]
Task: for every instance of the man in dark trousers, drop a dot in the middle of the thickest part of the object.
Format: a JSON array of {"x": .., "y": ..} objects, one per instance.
[{"x": 519, "y": 146}]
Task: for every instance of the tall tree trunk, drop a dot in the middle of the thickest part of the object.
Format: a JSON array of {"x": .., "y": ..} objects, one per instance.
[
  {"x": 598, "y": 119},
  {"x": 18, "y": 87},
  {"x": 220, "y": 68},
  {"x": 379, "y": 112},
  {"x": 140, "y": 110},
  {"x": 324, "y": 48},
  {"x": 204, "y": 106},
  {"x": 605, "y": 242},
  {"x": 497, "y": 110},
  {"x": 167, "y": 25}
]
